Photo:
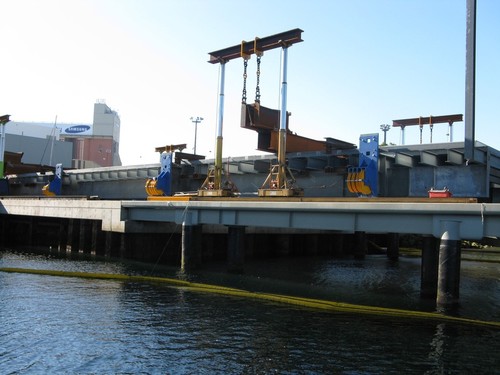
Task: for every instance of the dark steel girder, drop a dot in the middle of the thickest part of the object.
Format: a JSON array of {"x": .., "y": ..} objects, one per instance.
[{"x": 258, "y": 45}]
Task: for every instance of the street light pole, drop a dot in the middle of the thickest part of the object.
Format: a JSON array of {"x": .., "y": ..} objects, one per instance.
[
  {"x": 385, "y": 128},
  {"x": 195, "y": 121}
]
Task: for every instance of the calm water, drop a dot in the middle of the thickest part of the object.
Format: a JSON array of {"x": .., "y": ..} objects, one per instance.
[{"x": 75, "y": 326}]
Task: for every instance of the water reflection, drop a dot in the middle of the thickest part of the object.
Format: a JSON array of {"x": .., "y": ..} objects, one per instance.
[{"x": 71, "y": 325}]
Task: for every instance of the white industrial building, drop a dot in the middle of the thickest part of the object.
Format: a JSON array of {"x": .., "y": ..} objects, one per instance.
[{"x": 75, "y": 145}]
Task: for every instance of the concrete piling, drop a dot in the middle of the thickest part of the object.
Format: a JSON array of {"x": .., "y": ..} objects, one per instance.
[{"x": 449, "y": 265}]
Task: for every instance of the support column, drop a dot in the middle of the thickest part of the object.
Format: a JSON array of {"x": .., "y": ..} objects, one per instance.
[
  {"x": 282, "y": 244},
  {"x": 126, "y": 245},
  {"x": 85, "y": 236},
  {"x": 191, "y": 249},
  {"x": 360, "y": 245},
  {"x": 112, "y": 244},
  {"x": 98, "y": 238},
  {"x": 197, "y": 240},
  {"x": 235, "y": 249},
  {"x": 429, "y": 267},
  {"x": 31, "y": 232},
  {"x": 63, "y": 235},
  {"x": 74, "y": 235},
  {"x": 2, "y": 231},
  {"x": 337, "y": 244},
  {"x": 393, "y": 246},
  {"x": 312, "y": 244},
  {"x": 449, "y": 265}
]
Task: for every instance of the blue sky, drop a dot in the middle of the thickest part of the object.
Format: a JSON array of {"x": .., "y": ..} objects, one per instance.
[{"x": 363, "y": 63}]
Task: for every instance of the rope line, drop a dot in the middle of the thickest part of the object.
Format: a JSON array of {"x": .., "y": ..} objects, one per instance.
[
  {"x": 330, "y": 306},
  {"x": 184, "y": 213}
]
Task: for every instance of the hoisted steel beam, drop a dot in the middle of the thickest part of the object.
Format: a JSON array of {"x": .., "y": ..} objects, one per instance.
[{"x": 259, "y": 45}]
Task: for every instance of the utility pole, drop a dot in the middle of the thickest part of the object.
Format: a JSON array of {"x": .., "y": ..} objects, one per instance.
[{"x": 195, "y": 121}]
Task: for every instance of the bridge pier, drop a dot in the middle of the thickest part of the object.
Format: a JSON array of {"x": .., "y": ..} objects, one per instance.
[
  {"x": 74, "y": 235},
  {"x": 112, "y": 244},
  {"x": 85, "y": 236},
  {"x": 393, "y": 246},
  {"x": 360, "y": 245},
  {"x": 63, "y": 235},
  {"x": 337, "y": 245},
  {"x": 235, "y": 249},
  {"x": 448, "y": 285},
  {"x": 98, "y": 238},
  {"x": 429, "y": 267}
]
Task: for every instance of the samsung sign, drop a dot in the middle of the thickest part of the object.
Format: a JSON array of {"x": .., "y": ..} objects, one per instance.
[{"x": 78, "y": 130}]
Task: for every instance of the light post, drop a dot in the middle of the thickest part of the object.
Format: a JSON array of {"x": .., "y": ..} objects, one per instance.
[
  {"x": 385, "y": 128},
  {"x": 195, "y": 121}
]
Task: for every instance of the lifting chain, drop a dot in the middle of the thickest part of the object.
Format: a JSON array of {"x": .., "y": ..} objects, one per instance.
[
  {"x": 257, "y": 89},
  {"x": 244, "y": 94}
]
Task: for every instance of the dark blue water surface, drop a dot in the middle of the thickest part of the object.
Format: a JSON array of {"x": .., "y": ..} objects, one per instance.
[{"x": 58, "y": 325}]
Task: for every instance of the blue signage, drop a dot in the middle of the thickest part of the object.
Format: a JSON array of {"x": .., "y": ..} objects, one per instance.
[{"x": 76, "y": 129}]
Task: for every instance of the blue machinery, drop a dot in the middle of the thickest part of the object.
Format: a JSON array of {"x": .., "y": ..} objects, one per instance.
[
  {"x": 162, "y": 184},
  {"x": 54, "y": 187},
  {"x": 363, "y": 180}
]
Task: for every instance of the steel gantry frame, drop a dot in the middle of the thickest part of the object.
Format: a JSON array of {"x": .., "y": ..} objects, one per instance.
[
  {"x": 277, "y": 179},
  {"x": 429, "y": 120}
]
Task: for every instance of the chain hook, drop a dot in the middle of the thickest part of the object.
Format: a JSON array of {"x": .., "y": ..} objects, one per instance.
[
  {"x": 257, "y": 88},
  {"x": 244, "y": 93}
]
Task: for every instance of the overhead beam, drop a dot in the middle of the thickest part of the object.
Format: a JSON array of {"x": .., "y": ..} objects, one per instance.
[
  {"x": 429, "y": 120},
  {"x": 258, "y": 45}
]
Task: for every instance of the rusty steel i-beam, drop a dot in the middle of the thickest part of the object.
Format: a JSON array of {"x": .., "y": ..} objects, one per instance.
[
  {"x": 430, "y": 120},
  {"x": 259, "y": 45}
]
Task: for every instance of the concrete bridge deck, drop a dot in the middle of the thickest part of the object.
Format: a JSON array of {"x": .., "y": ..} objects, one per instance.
[{"x": 426, "y": 217}]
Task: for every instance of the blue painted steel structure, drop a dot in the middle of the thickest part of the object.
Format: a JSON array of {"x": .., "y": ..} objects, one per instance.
[
  {"x": 363, "y": 180},
  {"x": 162, "y": 184},
  {"x": 54, "y": 187}
]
